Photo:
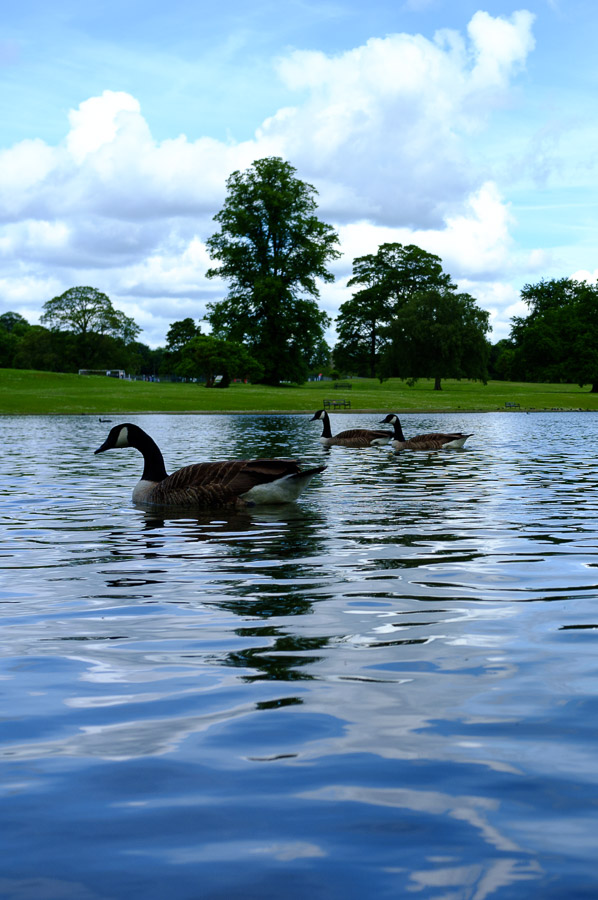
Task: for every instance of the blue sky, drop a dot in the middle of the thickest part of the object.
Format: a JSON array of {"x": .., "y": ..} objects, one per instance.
[{"x": 467, "y": 128}]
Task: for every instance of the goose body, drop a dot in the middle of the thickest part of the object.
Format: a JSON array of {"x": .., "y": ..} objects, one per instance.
[
  {"x": 231, "y": 483},
  {"x": 354, "y": 437},
  {"x": 434, "y": 440}
]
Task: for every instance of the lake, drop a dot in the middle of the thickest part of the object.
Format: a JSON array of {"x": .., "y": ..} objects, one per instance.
[{"x": 386, "y": 689}]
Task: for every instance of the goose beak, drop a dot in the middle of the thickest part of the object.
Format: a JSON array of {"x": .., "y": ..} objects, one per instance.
[{"x": 105, "y": 446}]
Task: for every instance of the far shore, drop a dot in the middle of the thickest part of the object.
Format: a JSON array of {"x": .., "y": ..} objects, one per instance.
[{"x": 60, "y": 394}]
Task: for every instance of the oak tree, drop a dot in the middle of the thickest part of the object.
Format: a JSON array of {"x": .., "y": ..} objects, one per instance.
[{"x": 272, "y": 250}]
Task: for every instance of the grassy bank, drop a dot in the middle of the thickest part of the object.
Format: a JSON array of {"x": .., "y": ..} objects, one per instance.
[{"x": 39, "y": 393}]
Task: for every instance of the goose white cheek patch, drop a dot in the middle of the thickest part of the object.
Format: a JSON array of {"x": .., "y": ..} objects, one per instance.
[{"x": 123, "y": 438}]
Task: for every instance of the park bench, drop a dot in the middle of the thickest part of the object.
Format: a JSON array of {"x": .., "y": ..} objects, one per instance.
[
  {"x": 335, "y": 403},
  {"x": 510, "y": 405},
  {"x": 342, "y": 386}
]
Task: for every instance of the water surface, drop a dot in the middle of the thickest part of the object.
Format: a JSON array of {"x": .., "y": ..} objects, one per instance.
[{"x": 386, "y": 689}]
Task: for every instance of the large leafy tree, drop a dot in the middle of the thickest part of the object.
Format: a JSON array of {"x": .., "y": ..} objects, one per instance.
[
  {"x": 12, "y": 328},
  {"x": 178, "y": 335},
  {"x": 84, "y": 311},
  {"x": 100, "y": 331},
  {"x": 438, "y": 334},
  {"x": 208, "y": 356},
  {"x": 386, "y": 280},
  {"x": 558, "y": 340},
  {"x": 13, "y": 323},
  {"x": 501, "y": 365},
  {"x": 272, "y": 250}
]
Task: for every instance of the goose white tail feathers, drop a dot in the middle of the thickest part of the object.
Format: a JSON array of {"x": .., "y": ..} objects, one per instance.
[
  {"x": 434, "y": 440},
  {"x": 231, "y": 483},
  {"x": 354, "y": 437}
]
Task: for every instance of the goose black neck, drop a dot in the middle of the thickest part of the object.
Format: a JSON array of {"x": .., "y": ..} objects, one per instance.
[
  {"x": 326, "y": 431},
  {"x": 153, "y": 461},
  {"x": 398, "y": 435}
]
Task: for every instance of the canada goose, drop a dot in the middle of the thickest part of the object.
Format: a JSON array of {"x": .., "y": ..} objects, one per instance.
[
  {"x": 354, "y": 437},
  {"x": 236, "y": 483},
  {"x": 432, "y": 441}
]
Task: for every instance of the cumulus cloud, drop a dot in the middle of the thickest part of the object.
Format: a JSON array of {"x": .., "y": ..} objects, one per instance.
[
  {"x": 585, "y": 275},
  {"x": 381, "y": 130},
  {"x": 475, "y": 246}
]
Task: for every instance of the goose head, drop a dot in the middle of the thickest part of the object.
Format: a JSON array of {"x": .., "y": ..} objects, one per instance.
[
  {"x": 391, "y": 419},
  {"x": 125, "y": 435},
  {"x": 319, "y": 414}
]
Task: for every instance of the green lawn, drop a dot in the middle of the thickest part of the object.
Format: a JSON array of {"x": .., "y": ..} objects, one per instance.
[{"x": 38, "y": 393}]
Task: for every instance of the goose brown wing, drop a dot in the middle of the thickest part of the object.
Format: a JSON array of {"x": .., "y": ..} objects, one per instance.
[
  {"x": 359, "y": 432},
  {"x": 439, "y": 436},
  {"x": 361, "y": 436},
  {"x": 219, "y": 483},
  {"x": 435, "y": 440},
  {"x": 427, "y": 442}
]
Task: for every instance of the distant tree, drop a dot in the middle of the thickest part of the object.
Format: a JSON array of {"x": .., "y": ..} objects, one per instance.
[
  {"x": 144, "y": 360},
  {"x": 501, "y": 364},
  {"x": 84, "y": 311},
  {"x": 388, "y": 278},
  {"x": 208, "y": 356},
  {"x": 360, "y": 329},
  {"x": 321, "y": 357},
  {"x": 438, "y": 334},
  {"x": 272, "y": 249},
  {"x": 180, "y": 333},
  {"x": 12, "y": 328},
  {"x": 100, "y": 331},
  {"x": 46, "y": 350},
  {"x": 558, "y": 340},
  {"x": 13, "y": 323}
]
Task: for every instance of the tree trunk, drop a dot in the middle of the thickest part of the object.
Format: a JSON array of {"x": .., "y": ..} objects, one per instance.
[
  {"x": 594, "y": 388},
  {"x": 437, "y": 385}
]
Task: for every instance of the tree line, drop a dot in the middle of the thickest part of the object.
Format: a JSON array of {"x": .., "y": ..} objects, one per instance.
[{"x": 406, "y": 318}]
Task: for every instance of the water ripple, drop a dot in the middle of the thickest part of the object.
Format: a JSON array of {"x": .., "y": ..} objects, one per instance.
[{"x": 386, "y": 687}]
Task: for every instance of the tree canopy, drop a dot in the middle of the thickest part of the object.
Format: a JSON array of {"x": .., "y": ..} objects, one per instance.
[
  {"x": 180, "y": 333},
  {"x": 95, "y": 333},
  {"x": 85, "y": 311},
  {"x": 438, "y": 334},
  {"x": 13, "y": 326},
  {"x": 272, "y": 250},
  {"x": 387, "y": 278},
  {"x": 558, "y": 340},
  {"x": 408, "y": 320},
  {"x": 209, "y": 357}
]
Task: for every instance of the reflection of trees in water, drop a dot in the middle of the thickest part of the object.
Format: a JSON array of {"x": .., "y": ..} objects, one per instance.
[
  {"x": 288, "y": 533},
  {"x": 279, "y": 660},
  {"x": 270, "y": 435},
  {"x": 273, "y": 558}
]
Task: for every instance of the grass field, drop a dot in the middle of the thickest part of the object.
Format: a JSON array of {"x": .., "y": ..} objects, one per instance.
[{"x": 49, "y": 393}]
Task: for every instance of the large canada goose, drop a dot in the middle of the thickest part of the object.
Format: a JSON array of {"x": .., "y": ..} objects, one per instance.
[
  {"x": 232, "y": 483},
  {"x": 354, "y": 437},
  {"x": 434, "y": 440}
]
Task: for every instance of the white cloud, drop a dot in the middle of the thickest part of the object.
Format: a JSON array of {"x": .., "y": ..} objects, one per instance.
[
  {"x": 585, "y": 275},
  {"x": 382, "y": 131},
  {"x": 500, "y": 46},
  {"x": 97, "y": 122}
]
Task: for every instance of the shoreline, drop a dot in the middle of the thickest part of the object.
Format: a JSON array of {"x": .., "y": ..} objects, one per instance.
[{"x": 303, "y": 412}]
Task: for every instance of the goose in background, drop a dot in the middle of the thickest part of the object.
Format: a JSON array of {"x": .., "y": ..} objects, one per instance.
[
  {"x": 354, "y": 437},
  {"x": 231, "y": 483},
  {"x": 432, "y": 441}
]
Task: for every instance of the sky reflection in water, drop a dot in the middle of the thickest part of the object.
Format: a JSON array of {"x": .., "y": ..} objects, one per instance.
[{"x": 387, "y": 687}]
